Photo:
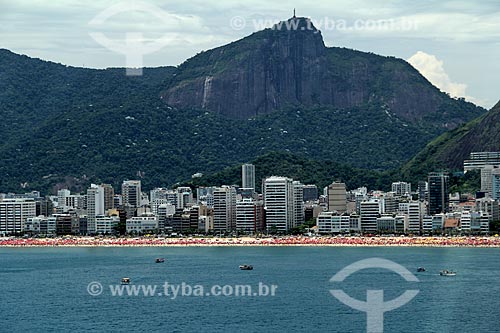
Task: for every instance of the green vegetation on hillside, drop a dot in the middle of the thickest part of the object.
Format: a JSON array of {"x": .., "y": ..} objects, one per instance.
[
  {"x": 320, "y": 173},
  {"x": 67, "y": 127}
]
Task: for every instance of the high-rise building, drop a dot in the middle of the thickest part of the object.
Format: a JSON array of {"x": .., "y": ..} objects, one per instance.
[
  {"x": 298, "y": 203},
  {"x": 495, "y": 184},
  {"x": 284, "y": 205},
  {"x": 184, "y": 197},
  {"x": 369, "y": 212},
  {"x": 95, "y": 206},
  {"x": 61, "y": 200},
  {"x": 337, "y": 197},
  {"x": 224, "y": 205},
  {"x": 415, "y": 216},
  {"x": 109, "y": 194},
  {"x": 423, "y": 187},
  {"x": 310, "y": 193},
  {"x": 401, "y": 188},
  {"x": 437, "y": 195},
  {"x": 248, "y": 176},
  {"x": 131, "y": 193},
  {"x": 247, "y": 215},
  {"x": 413, "y": 210},
  {"x": 278, "y": 202},
  {"x": 14, "y": 213},
  {"x": 487, "y": 178}
]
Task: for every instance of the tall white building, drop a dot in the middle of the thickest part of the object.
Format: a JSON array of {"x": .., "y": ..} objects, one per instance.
[
  {"x": 248, "y": 176},
  {"x": 95, "y": 206},
  {"x": 283, "y": 201},
  {"x": 414, "y": 211},
  {"x": 224, "y": 205},
  {"x": 131, "y": 193},
  {"x": 14, "y": 213}
]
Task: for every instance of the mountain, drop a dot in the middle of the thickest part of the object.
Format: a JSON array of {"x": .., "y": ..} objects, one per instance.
[
  {"x": 449, "y": 150},
  {"x": 290, "y": 65},
  {"x": 274, "y": 91}
]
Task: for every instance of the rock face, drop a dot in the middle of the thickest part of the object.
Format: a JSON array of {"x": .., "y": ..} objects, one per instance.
[{"x": 289, "y": 65}]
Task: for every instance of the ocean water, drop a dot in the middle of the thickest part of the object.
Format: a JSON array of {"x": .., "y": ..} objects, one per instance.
[{"x": 46, "y": 289}]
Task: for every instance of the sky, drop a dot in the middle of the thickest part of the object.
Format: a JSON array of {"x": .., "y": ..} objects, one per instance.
[{"x": 454, "y": 44}]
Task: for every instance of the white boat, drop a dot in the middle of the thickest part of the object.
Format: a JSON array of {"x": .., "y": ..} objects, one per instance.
[
  {"x": 125, "y": 280},
  {"x": 447, "y": 273},
  {"x": 246, "y": 267}
]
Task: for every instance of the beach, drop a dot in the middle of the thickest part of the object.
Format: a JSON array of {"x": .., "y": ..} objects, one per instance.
[{"x": 354, "y": 241}]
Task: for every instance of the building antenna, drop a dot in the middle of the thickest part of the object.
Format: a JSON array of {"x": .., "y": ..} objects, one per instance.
[{"x": 294, "y": 13}]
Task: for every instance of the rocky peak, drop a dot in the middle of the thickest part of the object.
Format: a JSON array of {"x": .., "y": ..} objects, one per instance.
[{"x": 289, "y": 64}]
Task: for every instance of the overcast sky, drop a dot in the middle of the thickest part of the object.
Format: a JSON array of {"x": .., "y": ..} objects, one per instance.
[{"x": 455, "y": 44}]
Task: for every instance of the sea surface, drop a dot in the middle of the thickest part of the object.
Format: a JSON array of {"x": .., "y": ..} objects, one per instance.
[{"x": 47, "y": 289}]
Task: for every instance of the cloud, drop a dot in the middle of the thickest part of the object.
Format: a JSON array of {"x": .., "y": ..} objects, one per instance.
[{"x": 432, "y": 68}]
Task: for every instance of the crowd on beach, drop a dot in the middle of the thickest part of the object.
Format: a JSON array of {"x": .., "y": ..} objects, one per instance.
[{"x": 249, "y": 241}]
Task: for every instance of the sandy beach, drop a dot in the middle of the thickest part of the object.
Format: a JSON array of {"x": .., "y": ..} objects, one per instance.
[{"x": 251, "y": 241}]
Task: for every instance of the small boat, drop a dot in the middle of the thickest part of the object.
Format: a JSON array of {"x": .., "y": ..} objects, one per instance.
[
  {"x": 246, "y": 267},
  {"x": 159, "y": 260},
  {"x": 125, "y": 280},
  {"x": 421, "y": 269},
  {"x": 447, "y": 273}
]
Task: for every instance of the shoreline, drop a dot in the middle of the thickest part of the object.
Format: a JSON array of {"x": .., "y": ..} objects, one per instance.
[{"x": 295, "y": 241}]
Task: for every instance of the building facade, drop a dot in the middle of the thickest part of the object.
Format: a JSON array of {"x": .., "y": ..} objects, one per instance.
[
  {"x": 437, "y": 195},
  {"x": 248, "y": 176},
  {"x": 14, "y": 213},
  {"x": 337, "y": 197},
  {"x": 369, "y": 212},
  {"x": 131, "y": 193},
  {"x": 224, "y": 208},
  {"x": 278, "y": 202}
]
